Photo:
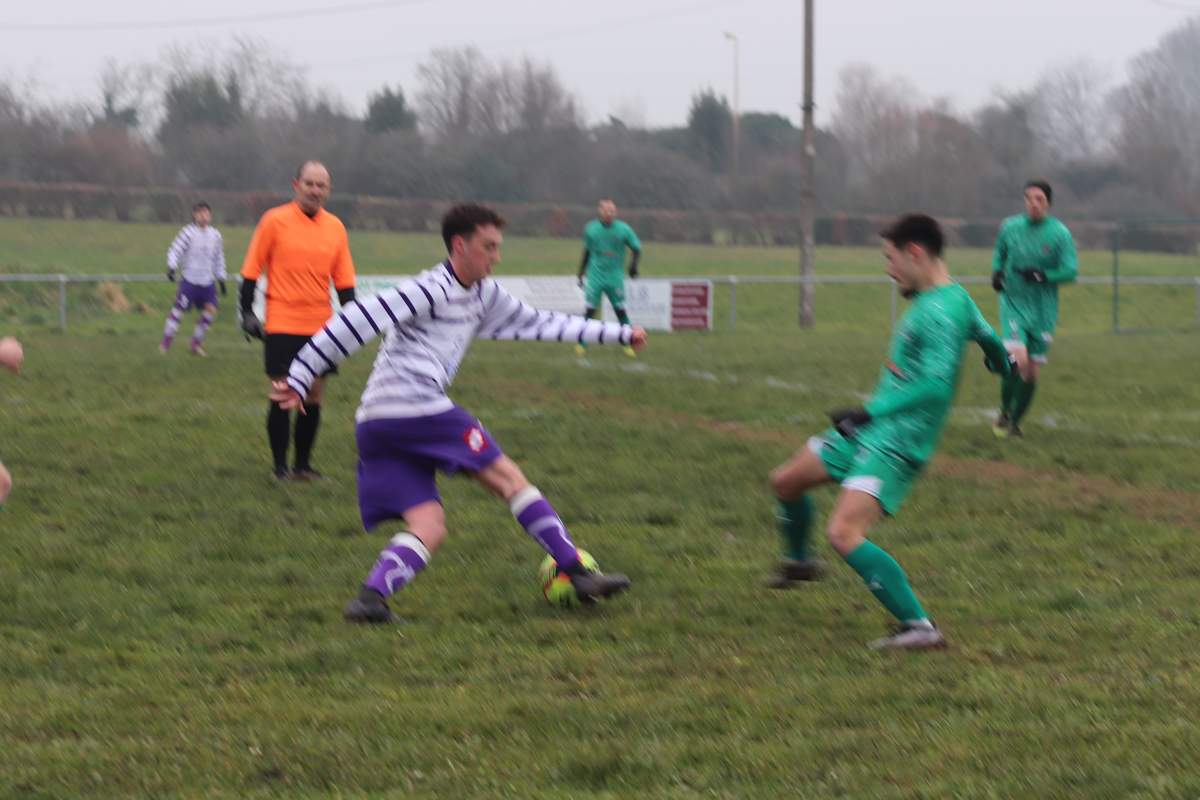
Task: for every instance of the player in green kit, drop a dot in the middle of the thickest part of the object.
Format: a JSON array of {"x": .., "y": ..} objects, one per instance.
[
  {"x": 877, "y": 451},
  {"x": 604, "y": 243},
  {"x": 1034, "y": 254}
]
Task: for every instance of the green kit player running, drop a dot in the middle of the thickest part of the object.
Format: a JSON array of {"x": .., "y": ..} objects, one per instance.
[
  {"x": 604, "y": 243},
  {"x": 1034, "y": 254},
  {"x": 876, "y": 452}
]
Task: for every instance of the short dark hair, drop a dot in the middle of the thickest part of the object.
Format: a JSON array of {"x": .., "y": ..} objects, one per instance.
[
  {"x": 918, "y": 229},
  {"x": 464, "y": 218},
  {"x": 1044, "y": 185},
  {"x": 201, "y": 205}
]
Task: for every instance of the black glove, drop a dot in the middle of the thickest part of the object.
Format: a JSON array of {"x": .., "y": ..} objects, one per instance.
[
  {"x": 998, "y": 281},
  {"x": 224, "y": 288},
  {"x": 849, "y": 420},
  {"x": 1033, "y": 275},
  {"x": 170, "y": 275},
  {"x": 251, "y": 326},
  {"x": 633, "y": 271},
  {"x": 1009, "y": 367}
]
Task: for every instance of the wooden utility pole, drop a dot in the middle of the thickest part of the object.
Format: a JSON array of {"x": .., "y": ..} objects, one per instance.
[{"x": 808, "y": 192}]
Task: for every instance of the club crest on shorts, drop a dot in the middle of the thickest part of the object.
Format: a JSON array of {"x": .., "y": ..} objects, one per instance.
[{"x": 475, "y": 440}]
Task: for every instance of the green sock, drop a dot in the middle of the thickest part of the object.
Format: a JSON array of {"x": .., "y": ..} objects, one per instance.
[
  {"x": 1022, "y": 400},
  {"x": 1008, "y": 390},
  {"x": 622, "y": 316},
  {"x": 887, "y": 581},
  {"x": 795, "y": 526},
  {"x": 589, "y": 313}
]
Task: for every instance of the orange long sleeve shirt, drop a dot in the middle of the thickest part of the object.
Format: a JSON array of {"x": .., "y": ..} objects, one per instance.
[{"x": 300, "y": 256}]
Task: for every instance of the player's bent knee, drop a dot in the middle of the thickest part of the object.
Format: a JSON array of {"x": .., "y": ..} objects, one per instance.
[
  {"x": 503, "y": 478},
  {"x": 428, "y": 523},
  {"x": 5, "y": 483},
  {"x": 844, "y": 535}
]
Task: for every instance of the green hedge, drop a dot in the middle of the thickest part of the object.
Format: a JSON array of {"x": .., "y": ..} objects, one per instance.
[{"x": 84, "y": 201}]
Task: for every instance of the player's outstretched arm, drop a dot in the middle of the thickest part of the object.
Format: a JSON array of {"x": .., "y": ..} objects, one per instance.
[
  {"x": 506, "y": 317},
  {"x": 996, "y": 357},
  {"x": 357, "y": 323}
]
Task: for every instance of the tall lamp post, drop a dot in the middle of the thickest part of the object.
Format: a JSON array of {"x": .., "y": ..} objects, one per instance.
[{"x": 737, "y": 110}]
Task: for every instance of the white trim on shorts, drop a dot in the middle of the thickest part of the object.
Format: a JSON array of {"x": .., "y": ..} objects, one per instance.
[{"x": 867, "y": 484}]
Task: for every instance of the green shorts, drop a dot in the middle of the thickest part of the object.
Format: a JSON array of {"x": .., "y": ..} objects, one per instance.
[
  {"x": 855, "y": 467},
  {"x": 596, "y": 287},
  {"x": 1036, "y": 339}
]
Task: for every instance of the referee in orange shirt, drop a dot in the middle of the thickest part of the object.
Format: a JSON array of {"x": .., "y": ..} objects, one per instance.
[{"x": 300, "y": 247}]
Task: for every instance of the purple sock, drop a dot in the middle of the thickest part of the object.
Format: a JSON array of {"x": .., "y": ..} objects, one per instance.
[
  {"x": 540, "y": 521},
  {"x": 172, "y": 325},
  {"x": 201, "y": 329},
  {"x": 398, "y": 564}
]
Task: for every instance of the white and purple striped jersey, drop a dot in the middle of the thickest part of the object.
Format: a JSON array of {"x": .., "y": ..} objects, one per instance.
[
  {"x": 199, "y": 253},
  {"x": 428, "y": 322}
]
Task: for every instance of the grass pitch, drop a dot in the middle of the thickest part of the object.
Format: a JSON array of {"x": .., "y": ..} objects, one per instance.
[{"x": 170, "y": 616}]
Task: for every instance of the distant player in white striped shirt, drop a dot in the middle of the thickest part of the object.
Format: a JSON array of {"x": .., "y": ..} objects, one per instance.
[
  {"x": 199, "y": 253},
  {"x": 408, "y": 428}
]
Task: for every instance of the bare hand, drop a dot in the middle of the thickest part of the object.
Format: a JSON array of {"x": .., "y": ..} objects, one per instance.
[
  {"x": 11, "y": 354},
  {"x": 638, "y": 340},
  {"x": 287, "y": 397}
]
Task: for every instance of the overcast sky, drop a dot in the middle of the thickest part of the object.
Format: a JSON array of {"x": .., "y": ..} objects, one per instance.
[{"x": 637, "y": 58}]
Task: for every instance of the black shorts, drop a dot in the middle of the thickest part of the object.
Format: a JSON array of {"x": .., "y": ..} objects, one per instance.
[{"x": 280, "y": 349}]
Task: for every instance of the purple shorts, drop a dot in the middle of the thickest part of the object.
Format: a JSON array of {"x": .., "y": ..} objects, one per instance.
[
  {"x": 398, "y": 459},
  {"x": 193, "y": 295}
]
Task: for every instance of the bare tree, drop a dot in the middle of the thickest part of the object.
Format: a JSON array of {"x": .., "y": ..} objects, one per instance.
[
  {"x": 1158, "y": 112},
  {"x": 126, "y": 93},
  {"x": 1069, "y": 112},
  {"x": 462, "y": 94},
  {"x": 874, "y": 117},
  {"x": 451, "y": 81}
]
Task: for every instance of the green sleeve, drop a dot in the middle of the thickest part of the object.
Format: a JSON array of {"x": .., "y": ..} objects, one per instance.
[
  {"x": 632, "y": 240},
  {"x": 933, "y": 370},
  {"x": 1000, "y": 251},
  {"x": 1067, "y": 268},
  {"x": 985, "y": 336}
]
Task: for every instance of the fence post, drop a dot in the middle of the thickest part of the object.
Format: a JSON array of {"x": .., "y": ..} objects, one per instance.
[
  {"x": 62, "y": 302},
  {"x": 732, "y": 302},
  {"x": 1197, "y": 280},
  {"x": 1116, "y": 281}
]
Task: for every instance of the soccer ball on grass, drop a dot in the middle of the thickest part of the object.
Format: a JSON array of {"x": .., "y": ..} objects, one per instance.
[{"x": 556, "y": 584}]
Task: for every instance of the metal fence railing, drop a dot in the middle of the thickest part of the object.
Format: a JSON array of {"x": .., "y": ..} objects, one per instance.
[{"x": 731, "y": 281}]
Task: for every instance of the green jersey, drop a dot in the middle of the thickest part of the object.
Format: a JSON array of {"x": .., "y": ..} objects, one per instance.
[
  {"x": 606, "y": 248},
  {"x": 1024, "y": 245},
  {"x": 917, "y": 384}
]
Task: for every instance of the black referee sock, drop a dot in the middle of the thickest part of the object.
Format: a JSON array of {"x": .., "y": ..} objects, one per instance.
[
  {"x": 277, "y": 434},
  {"x": 306, "y": 434}
]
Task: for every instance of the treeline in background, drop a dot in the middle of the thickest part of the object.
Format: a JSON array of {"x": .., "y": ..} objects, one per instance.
[{"x": 235, "y": 118}]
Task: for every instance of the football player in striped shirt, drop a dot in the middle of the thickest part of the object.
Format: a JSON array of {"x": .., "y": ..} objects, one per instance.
[
  {"x": 198, "y": 254},
  {"x": 408, "y": 429}
]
